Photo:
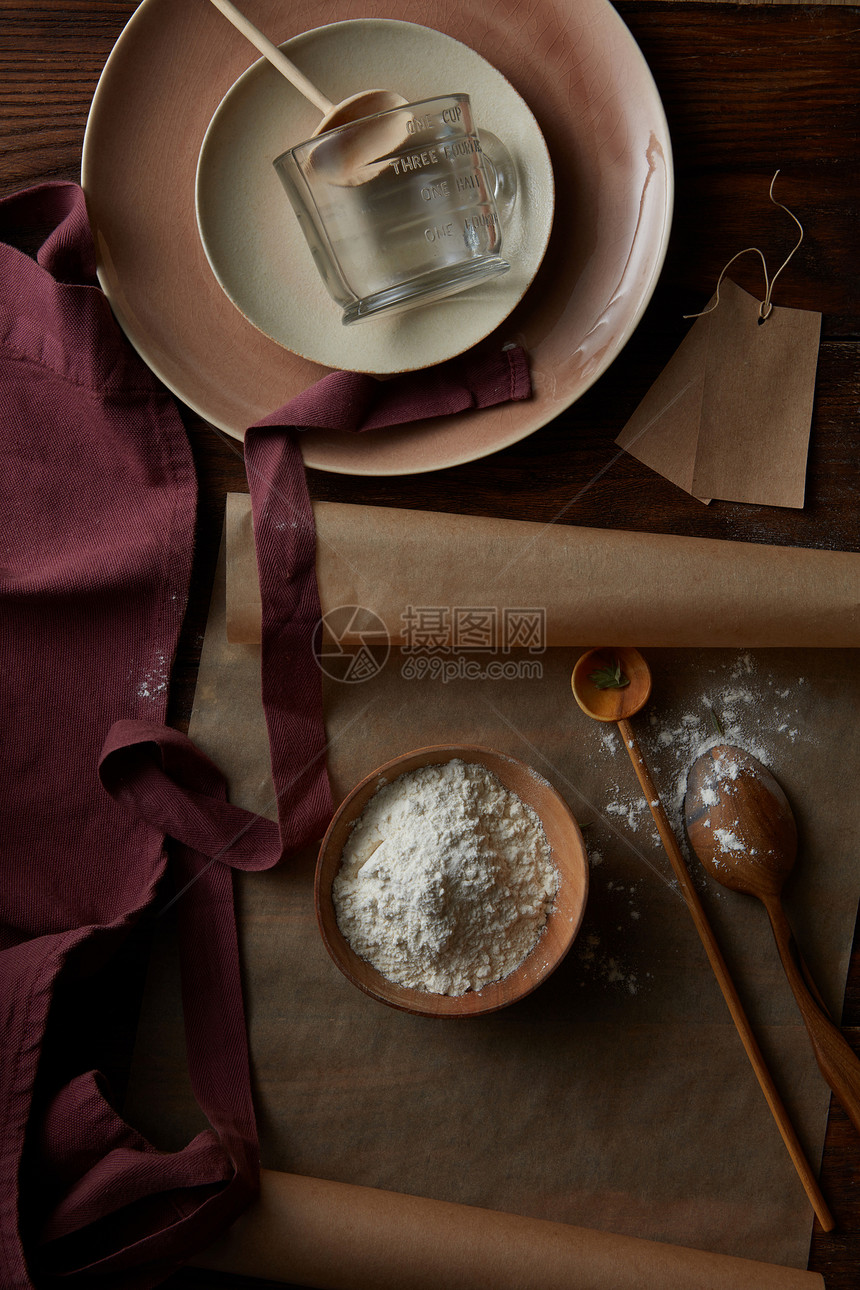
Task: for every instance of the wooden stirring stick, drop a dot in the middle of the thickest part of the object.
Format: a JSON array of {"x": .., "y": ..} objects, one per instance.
[
  {"x": 365, "y": 103},
  {"x": 275, "y": 56},
  {"x": 618, "y": 703}
]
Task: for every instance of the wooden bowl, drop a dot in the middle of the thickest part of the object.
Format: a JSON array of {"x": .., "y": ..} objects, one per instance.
[{"x": 568, "y": 855}]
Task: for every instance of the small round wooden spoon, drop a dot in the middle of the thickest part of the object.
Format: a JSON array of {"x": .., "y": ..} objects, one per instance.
[
  {"x": 741, "y": 827},
  {"x": 613, "y": 685},
  {"x": 365, "y": 103}
]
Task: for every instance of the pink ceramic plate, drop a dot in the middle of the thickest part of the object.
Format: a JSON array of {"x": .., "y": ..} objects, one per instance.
[{"x": 576, "y": 66}]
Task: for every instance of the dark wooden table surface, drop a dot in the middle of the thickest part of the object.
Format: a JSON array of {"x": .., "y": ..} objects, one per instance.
[{"x": 747, "y": 88}]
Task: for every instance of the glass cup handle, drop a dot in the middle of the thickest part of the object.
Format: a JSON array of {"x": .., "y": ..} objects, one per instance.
[{"x": 501, "y": 171}]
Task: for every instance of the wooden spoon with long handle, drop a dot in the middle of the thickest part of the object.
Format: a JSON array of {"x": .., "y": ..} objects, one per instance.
[
  {"x": 365, "y": 103},
  {"x": 618, "y": 703},
  {"x": 742, "y": 828}
]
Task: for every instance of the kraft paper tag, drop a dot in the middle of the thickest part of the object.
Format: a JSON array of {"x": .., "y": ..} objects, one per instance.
[{"x": 729, "y": 417}]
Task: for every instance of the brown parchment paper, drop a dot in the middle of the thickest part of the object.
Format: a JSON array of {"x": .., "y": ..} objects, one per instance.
[
  {"x": 617, "y": 1097},
  {"x": 594, "y": 584},
  {"x": 336, "y": 1235}
]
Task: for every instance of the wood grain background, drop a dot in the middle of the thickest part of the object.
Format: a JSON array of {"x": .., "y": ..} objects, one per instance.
[{"x": 748, "y": 88}]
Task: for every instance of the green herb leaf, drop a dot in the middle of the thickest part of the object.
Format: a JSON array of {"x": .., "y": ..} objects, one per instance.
[
  {"x": 718, "y": 729},
  {"x": 609, "y": 678}
]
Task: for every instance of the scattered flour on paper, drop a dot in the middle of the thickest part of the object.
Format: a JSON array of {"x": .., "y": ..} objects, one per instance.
[
  {"x": 751, "y": 713},
  {"x": 606, "y": 964},
  {"x": 603, "y": 952},
  {"x": 754, "y": 715},
  {"x": 446, "y": 880}
]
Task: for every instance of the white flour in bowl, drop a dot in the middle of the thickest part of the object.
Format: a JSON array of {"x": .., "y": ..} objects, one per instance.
[{"x": 446, "y": 880}]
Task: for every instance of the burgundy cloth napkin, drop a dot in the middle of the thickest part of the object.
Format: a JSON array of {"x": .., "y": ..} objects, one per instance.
[
  {"x": 96, "y": 535},
  {"x": 285, "y": 542},
  {"x": 356, "y": 402}
]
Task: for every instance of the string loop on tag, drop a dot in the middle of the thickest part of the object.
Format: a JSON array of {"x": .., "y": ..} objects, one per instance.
[{"x": 766, "y": 305}]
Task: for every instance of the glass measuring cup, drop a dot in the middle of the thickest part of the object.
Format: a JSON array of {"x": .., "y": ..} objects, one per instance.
[{"x": 403, "y": 207}]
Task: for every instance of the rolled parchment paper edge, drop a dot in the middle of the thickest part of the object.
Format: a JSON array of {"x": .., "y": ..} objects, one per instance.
[
  {"x": 593, "y": 586},
  {"x": 338, "y": 1236}
]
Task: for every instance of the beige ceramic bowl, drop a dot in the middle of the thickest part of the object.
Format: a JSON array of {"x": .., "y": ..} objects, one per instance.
[{"x": 568, "y": 854}]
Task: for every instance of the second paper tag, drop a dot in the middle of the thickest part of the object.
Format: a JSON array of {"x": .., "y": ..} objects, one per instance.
[{"x": 729, "y": 416}]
